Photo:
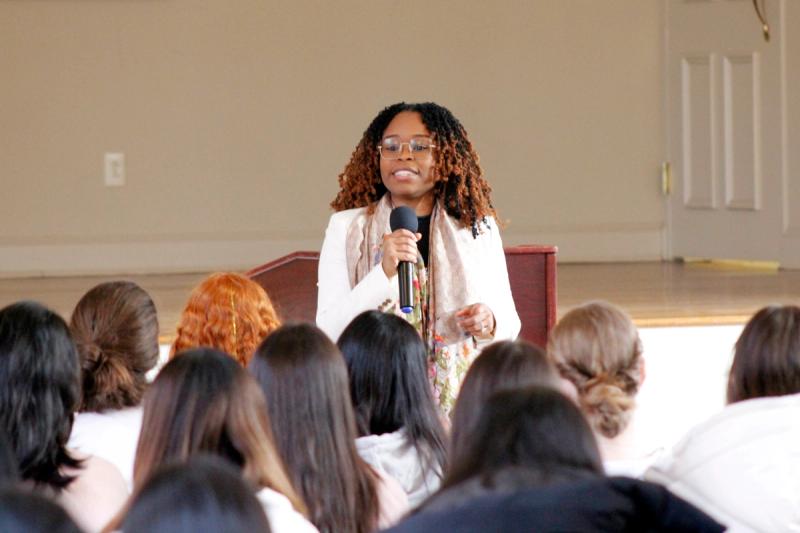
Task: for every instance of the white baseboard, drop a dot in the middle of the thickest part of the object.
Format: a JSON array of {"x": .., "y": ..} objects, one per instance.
[
  {"x": 143, "y": 257},
  {"x": 206, "y": 256},
  {"x": 591, "y": 246}
]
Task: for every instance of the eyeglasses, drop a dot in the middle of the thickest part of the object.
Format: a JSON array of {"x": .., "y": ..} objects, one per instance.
[{"x": 419, "y": 148}]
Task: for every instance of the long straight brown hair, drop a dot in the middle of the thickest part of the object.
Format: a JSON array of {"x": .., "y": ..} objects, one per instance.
[
  {"x": 204, "y": 402},
  {"x": 535, "y": 430},
  {"x": 304, "y": 379},
  {"x": 503, "y": 365}
]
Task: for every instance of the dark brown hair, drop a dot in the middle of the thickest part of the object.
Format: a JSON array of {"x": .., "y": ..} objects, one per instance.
[
  {"x": 501, "y": 366},
  {"x": 304, "y": 379},
  {"x": 204, "y": 493},
  {"x": 115, "y": 330},
  {"x": 766, "y": 360},
  {"x": 536, "y": 431},
  {"x": 596, "y": 346},
  {"x": 204, "y": 402},
  {"x": 22, "y": 509},
  {"x": 460, "y": 184}
]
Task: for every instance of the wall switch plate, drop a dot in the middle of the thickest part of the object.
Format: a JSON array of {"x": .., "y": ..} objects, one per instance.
[{"x": 114, "y": 169}]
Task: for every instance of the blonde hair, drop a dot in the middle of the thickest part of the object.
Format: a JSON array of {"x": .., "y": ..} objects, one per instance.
[
  {"x": 229, "y": 312},
  {"x": 597, "y": 348}
]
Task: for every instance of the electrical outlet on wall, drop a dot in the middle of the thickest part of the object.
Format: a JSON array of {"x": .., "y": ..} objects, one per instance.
[{"x": 114, "y": 169}]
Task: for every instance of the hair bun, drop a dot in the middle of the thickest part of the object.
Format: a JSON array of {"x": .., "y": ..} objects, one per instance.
[
  {"x": 93, "y": 354},
  {"x": 608, "y": 406}
]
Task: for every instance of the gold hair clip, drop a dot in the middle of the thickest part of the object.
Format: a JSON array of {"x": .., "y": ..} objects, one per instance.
[{"x": 233, "y": 319}]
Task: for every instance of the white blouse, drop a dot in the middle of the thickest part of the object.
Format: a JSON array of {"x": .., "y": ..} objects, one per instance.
[
  {"x": 283, "y": 518},
  {"x": 112, "y": 435}
]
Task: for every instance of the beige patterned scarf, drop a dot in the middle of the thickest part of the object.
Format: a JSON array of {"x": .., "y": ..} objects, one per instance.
[{"x": 447, "y": 286}]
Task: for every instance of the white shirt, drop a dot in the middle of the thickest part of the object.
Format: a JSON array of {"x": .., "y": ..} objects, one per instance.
[
  {"x": 626, "y": 454},
  {"x": 283, "y": 518},
  {"x": 112, "y": 435},
  {"x": 337, "y": 304}
]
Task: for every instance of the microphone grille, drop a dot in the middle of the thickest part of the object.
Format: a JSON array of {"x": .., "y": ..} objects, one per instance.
[{"x": 403, "y": 217}]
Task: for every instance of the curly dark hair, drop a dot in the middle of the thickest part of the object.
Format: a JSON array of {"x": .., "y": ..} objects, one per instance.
[{"x": 460, "y": 183}]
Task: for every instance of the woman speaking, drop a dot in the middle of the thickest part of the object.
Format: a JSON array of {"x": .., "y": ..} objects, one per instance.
[{"x": 419, "y": 156}]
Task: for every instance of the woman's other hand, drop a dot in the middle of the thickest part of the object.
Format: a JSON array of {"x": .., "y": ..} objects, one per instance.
[{"x": 477, "y": 320}]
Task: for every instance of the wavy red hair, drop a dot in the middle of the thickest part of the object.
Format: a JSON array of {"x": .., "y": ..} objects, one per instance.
[{"x": 229, "y": 312}]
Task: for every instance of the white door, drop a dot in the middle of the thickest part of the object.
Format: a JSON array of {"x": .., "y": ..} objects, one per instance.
[{"x": 725, "y": 130}]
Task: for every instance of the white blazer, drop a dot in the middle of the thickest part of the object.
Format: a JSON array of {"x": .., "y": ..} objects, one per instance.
[{"x": 337, "y": 304}]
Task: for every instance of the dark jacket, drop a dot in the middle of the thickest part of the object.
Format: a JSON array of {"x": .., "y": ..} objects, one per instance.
[{"x": 601, "y": 504}]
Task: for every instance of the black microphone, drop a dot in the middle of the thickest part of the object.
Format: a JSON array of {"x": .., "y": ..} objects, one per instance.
[{"x": 404, "y": 218}]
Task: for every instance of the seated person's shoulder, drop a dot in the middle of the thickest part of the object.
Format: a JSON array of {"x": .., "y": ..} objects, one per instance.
[
  {"x": 96, "y": 475},
  {"x": 96, "y": 494}
]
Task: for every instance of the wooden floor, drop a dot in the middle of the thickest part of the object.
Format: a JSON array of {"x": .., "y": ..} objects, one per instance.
[
  {"x": 678, "y": 294},
  {"x": 655, "y": 293}
]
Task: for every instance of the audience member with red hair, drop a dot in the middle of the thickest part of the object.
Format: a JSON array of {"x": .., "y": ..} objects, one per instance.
[{"x": 229, "y": 312}]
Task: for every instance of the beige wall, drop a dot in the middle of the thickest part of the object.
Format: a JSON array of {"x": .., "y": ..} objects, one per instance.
[
  {"x": 791, "y": 148},
  {"x": 236, "y": 116}
]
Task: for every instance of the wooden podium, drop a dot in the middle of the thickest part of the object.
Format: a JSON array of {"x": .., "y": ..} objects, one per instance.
[{"x": 291, "y": 283}]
